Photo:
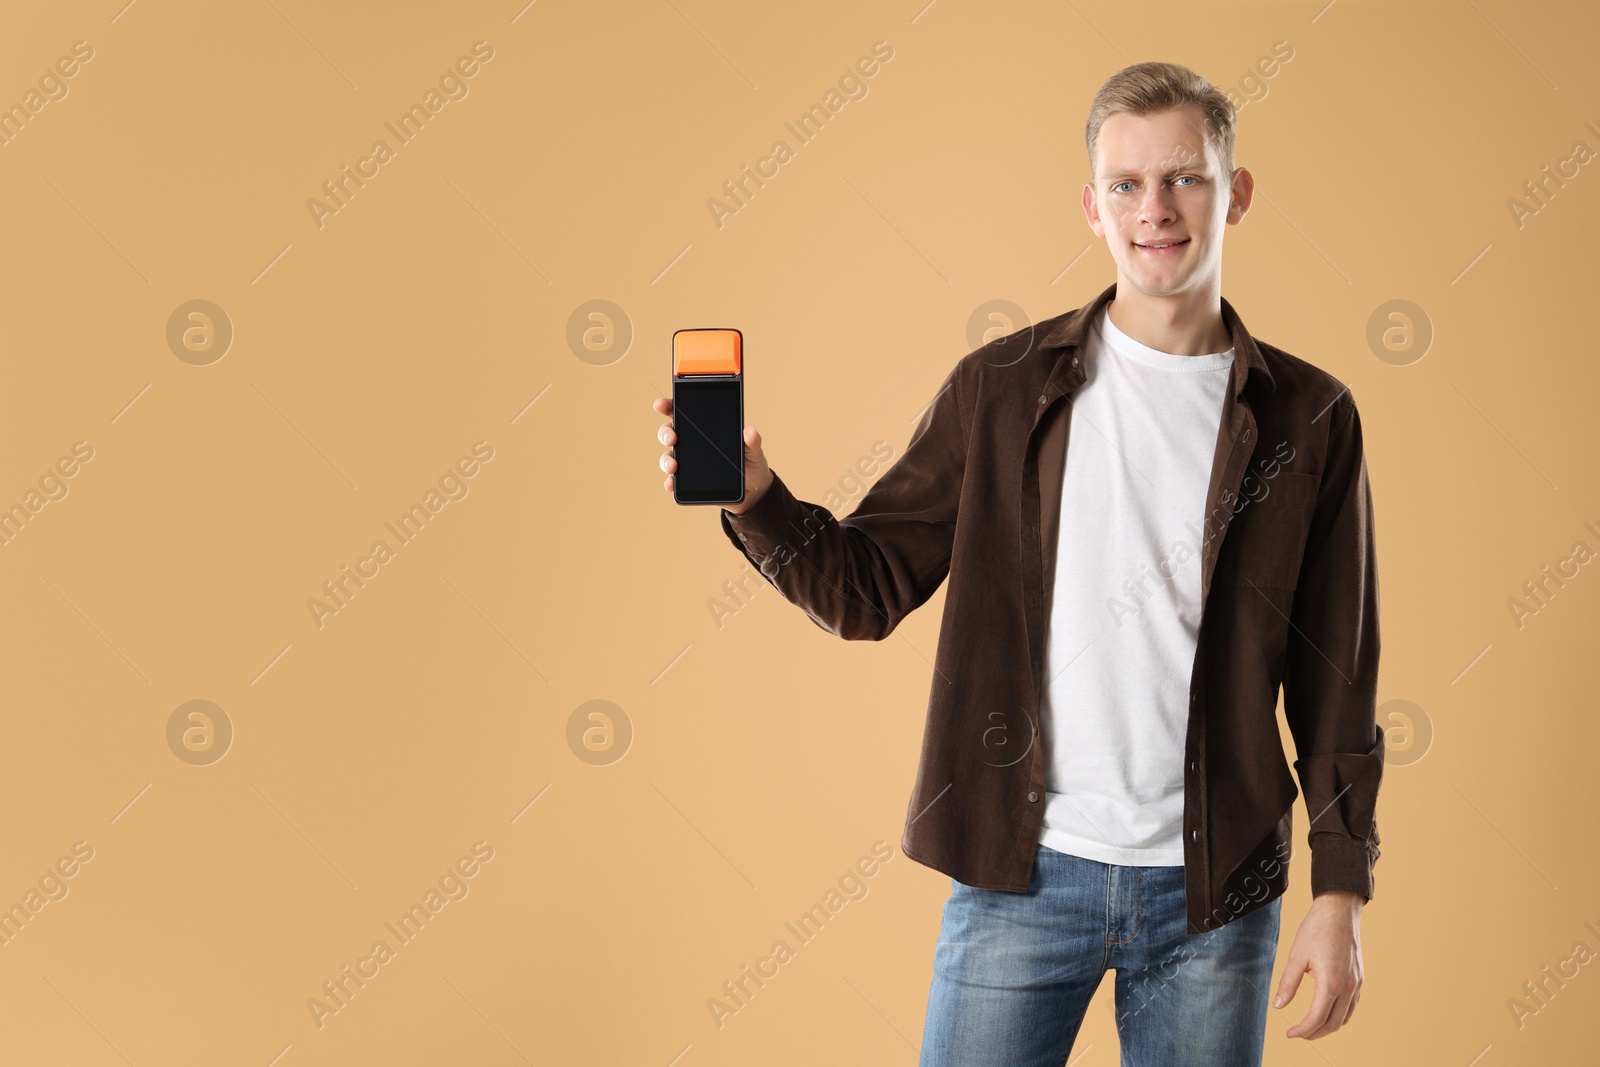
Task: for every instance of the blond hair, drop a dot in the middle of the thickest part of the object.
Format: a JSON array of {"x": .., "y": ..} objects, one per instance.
[{"x": 1148, "y": 88}]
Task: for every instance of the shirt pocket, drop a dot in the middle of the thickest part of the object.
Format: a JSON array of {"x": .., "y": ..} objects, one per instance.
[{"x": 1267, "y": 536}]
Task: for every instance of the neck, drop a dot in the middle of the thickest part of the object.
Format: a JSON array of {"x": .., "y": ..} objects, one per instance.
[{"x": 1186, "y": 324}]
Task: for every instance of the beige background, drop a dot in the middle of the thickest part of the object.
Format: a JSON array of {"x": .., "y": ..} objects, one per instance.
[{"x": 766, "y": 756}]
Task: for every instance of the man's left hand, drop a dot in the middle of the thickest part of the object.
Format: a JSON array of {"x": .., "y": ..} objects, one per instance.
[{"x": 1328, "y": 946}]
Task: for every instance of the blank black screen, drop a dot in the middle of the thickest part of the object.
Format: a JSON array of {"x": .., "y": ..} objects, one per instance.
[{"x": 708, "y": 418}]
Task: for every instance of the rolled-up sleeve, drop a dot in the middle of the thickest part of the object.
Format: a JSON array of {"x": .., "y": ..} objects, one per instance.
[
  {"x": 1331, "y": 671},
  {"x": 859, "y": 576}
]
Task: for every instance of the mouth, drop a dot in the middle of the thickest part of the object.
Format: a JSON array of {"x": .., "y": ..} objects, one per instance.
[{"x": 1162, "y": 248}]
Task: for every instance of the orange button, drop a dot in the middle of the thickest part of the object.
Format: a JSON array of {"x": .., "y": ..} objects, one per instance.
[{"x": 706, "y": 352}]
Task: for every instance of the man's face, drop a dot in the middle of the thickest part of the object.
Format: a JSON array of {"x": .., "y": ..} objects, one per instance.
[{"x": 1158, "y": 179}]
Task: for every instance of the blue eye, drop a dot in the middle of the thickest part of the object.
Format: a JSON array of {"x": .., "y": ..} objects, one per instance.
[{"x": 1186, "y": 177}]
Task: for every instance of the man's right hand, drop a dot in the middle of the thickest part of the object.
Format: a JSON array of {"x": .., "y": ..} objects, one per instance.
[{"x": 757, "y": 475}]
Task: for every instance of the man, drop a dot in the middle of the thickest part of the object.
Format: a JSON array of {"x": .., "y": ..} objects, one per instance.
[{"x": 1149, "y": 520}]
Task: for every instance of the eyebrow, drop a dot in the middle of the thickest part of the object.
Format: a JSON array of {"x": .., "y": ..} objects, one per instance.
[{"x": 1127, "y": 173}]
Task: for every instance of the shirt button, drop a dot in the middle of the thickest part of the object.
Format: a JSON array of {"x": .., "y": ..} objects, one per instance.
[
  {"x": 1246, "y": 435},
  {"x": 1191, "y": 766},
  {"x": 1074, "y": 361},
  {"x": 1041, "y": 399},
  {"x": 1033, "y": 798},
  {"x": 1194, "y": 835}
]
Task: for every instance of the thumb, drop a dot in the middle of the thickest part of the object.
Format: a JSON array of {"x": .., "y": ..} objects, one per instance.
[
  {"x": 757, "y": 474},
  {"x": 1290, "y": 982}
]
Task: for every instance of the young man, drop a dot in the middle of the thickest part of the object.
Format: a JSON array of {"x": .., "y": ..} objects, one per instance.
[{"x": 1149, "y": 520}]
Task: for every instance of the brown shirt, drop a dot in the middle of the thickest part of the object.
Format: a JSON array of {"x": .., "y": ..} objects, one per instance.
[{"x": 1289, "y": 593}]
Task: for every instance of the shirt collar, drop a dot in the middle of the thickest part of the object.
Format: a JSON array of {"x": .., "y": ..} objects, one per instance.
[{"x": 1069, "y": 331}]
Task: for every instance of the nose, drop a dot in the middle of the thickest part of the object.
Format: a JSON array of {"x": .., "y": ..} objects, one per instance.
[{"x": 1157, "y": 208}]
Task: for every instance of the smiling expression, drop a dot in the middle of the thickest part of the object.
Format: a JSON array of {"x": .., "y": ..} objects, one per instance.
[{"x": 1160, "y": 199}]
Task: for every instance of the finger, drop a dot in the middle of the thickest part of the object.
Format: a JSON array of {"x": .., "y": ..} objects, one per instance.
[
  {"x": 668, "y": 462},
  {"x": 1350, "y": 1012},
  {"x": 667, "y": 435},
  {"x": 1321, "y": 1004},
  {"x": 662, "y": 404},
  {"x": 1293, "y": 971},
  {"x": 668, "y": 483},
  {"x": 1336, "y": 1013}
]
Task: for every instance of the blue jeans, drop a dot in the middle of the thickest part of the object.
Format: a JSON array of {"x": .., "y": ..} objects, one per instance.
[{"x": 1014, "y": 972}]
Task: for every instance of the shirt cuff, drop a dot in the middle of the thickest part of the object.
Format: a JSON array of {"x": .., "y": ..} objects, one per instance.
[
  {"x": 766, "y": 525},
  {"x": 1341, "y": 863}
]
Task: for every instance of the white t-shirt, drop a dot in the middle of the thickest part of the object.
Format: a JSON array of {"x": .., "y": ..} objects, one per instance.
[{"x": 1126, "y": 606}]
